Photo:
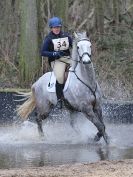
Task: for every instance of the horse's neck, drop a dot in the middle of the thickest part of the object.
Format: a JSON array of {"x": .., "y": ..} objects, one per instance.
[
  {"x": 87, "y": 74},
  {"x": 84, "y": 71}
]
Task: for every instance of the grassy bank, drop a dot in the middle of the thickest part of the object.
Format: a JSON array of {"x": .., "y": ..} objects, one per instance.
[{"x": 14, "y": 90}]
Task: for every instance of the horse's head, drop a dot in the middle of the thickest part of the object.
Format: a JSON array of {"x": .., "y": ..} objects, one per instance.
[{"x": 83, "y": 46}]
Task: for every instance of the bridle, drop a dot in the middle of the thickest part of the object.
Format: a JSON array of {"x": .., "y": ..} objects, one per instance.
[
  {"x": 80, "y": 57},
  {"x": 84, "y": 53}
]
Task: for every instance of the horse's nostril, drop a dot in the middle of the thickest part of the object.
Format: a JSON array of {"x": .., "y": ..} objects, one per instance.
[{"x": 87, "y": 62}]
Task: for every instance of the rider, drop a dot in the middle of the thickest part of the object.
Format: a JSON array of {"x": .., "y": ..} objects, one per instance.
[{"x": 56, "y": 47}]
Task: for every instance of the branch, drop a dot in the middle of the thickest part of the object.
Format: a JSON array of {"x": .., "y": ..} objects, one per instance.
[
  {"x": 85, "y": 21},
  {"x": 48, "y": 5}
]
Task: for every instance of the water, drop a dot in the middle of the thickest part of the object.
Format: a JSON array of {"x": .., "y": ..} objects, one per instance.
[{"x": 64, "y": 142}]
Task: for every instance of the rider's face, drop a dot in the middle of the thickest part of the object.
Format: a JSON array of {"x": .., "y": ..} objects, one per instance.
[{"x": 56, "y": 30}]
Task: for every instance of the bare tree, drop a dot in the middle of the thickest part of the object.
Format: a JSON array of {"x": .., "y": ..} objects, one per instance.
[
  {"x": 99, "y": 16},
  {"x": 116, "y": 13},
  {"x": 28, "y": 47},
  {"x": 61, "y": 9}
]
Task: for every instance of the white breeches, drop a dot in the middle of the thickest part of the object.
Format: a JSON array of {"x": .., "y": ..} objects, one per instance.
[{"x": 59, "y": 67}]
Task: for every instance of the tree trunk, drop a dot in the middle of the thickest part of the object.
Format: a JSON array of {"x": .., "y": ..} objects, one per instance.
[
  {"x": 61, "y": 10},
  {"x": 28, "y": 46},
  {"x": 99, "y": 16},
  {"x": 8, "y": 29},
  {"x": 131, "y": 6},
  {"x": 116, "y": 11}
]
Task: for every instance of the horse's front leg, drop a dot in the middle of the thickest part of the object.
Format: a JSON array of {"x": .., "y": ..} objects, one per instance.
[
  {"x": 98, "y": 112},
  {"x": 99, "y": 124}
]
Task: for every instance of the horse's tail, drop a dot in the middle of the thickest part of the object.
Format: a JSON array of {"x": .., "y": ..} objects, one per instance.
[{"x": 28, "y": 106}]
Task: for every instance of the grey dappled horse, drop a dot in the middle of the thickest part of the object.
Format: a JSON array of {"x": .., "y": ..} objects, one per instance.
[{"x": 83, "y": 92}]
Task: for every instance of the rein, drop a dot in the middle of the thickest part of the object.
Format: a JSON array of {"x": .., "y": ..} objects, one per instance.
[
  {"x": 93, "y": 91},
  {"x": 85, "y": 53},
  {"x": 79, "y": 61}
]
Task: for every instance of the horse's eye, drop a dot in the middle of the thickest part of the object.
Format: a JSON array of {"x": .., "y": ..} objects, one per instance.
[{"x": 77, "y": 47}]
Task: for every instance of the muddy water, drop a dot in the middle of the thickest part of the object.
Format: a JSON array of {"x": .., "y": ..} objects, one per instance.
[{"x": 64, "y": 142}]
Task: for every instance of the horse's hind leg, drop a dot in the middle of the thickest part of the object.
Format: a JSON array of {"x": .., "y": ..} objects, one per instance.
[{"x": 39, "y": 120}]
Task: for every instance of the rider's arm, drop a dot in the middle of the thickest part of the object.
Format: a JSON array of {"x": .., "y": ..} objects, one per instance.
[{"x": 45, "y": 51}]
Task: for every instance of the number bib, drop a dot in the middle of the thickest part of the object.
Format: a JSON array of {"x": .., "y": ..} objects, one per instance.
[{"x": 61, "y": 44}]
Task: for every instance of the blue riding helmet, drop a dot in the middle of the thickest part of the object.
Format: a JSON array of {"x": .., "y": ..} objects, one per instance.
[{"x": 55, "y": 22}]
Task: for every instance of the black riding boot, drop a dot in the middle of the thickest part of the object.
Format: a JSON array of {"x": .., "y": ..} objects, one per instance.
[{"x": 59, "y": 93}]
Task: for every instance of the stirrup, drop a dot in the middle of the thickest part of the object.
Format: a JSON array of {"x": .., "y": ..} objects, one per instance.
[{"x": 59, "y": 104}]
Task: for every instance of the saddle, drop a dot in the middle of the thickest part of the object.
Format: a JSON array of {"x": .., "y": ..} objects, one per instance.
[{"x": 52, "y": 81}]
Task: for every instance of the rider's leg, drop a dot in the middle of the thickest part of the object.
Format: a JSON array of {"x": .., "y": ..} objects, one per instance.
[
  {"x": 59, "y": 71},
  {"x": 59, "y": 93}
]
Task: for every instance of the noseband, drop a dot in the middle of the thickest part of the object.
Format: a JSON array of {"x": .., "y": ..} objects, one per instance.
[{"x": 85, "y": 53}]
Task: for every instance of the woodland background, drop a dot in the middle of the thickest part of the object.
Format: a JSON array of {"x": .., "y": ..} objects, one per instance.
[{"x": 109, "y": 24}]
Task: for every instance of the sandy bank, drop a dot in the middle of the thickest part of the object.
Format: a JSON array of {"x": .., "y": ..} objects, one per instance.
[{"x": 123, "y": 168}]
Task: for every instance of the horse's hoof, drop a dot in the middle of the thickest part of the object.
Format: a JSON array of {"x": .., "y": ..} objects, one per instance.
[
  {"x": 41, "y": 136},
  {"x": 41, "y": 133},
  {"x": 97, "y": 137}
]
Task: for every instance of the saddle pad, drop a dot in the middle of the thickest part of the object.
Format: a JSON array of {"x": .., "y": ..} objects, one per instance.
[{"x": 52, "y": 82}]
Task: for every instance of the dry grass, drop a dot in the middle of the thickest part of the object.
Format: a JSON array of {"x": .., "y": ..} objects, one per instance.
[{"x": 113, "y": 58}]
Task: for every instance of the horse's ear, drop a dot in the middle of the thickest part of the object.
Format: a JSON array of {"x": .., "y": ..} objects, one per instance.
[
  {"x": 85, "y": 34},
  {"x": 75, "y": 35}
]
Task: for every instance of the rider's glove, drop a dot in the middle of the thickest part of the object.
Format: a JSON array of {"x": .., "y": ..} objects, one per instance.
[{"x": 57, "y": 54}]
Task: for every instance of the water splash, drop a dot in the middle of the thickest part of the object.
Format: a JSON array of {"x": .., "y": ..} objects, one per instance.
[
  {"x": 67, "y": 140},
  {"x": 57, "y": 131}
]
